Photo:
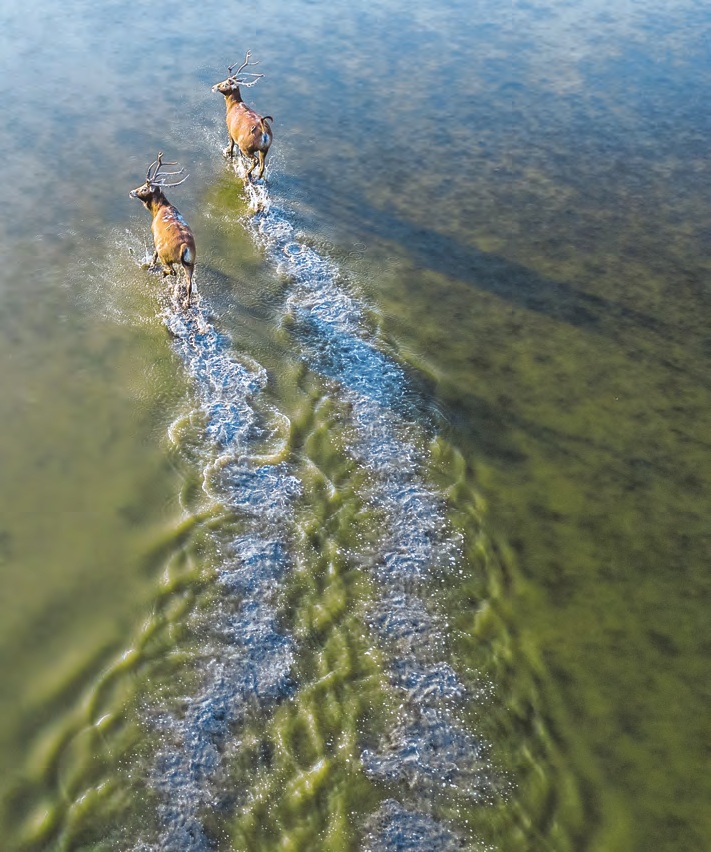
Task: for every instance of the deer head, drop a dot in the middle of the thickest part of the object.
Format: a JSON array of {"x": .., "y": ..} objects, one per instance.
[
  {"x": 234, "y": 81},
  {"x": 157, "y": 180}
]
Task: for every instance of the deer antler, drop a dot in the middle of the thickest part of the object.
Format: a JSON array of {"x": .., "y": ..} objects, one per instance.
[
  {"x": 246, "y": 62},
  {"x": 155, "y": 163},
  {"x": 158, "y": 177}
]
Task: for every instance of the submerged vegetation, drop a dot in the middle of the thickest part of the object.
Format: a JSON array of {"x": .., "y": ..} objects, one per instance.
[{"x": 397, "y": 538}]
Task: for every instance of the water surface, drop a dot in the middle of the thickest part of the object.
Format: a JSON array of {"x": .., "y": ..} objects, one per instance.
[{"x": 398, "y": 540}]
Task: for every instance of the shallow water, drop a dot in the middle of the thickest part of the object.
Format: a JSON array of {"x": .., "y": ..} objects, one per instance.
[{"x": 398, "y": 539}]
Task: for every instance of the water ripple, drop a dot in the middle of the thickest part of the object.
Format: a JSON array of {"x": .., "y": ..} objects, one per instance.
[
  {"x": 248, "y": 659},
  {"x": 428, "y": 751}
]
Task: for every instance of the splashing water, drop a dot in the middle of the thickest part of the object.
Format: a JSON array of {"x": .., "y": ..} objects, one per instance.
[
  {"x": 249, "y": 660},
  {"x": 428, "y": 750}
]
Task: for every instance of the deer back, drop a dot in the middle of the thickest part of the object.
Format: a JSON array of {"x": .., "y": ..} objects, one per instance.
[
  {"x": 248, "y": 128},
  {"x": 172, "y": 235}
]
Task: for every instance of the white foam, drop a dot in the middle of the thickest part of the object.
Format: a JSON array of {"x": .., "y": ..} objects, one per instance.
[
  {"x": 429, "y": 750},
  {"x": 250, "y": 658}
]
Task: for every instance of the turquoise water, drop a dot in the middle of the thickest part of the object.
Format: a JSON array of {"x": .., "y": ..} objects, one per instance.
[{"x": 398, "y": 540}]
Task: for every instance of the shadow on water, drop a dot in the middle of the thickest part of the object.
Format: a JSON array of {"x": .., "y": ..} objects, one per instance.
[
  {"x": 514, "y": 283},
  {"x": 492, "y": 423},
  {"x": 518, "y": 433}
]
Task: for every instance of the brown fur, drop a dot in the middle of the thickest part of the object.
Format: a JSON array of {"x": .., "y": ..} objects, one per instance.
[
  {"x": 173, "y": 240},
  {"x": 247, "y": 129}
]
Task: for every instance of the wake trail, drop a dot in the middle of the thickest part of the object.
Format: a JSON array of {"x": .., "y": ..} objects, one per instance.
[
  {"x": 248, "y": 658},
  {"x": 429, "y": 751}
]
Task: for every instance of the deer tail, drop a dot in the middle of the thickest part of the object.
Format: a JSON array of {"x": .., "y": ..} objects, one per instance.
[
  {"x": 187, "y": 255},
  {"x": 187, "y": 258}
]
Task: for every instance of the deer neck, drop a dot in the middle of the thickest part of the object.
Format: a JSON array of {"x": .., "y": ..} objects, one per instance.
[
  {"x": 157, "y": 202},
  {"x": 234, "y": 97}
]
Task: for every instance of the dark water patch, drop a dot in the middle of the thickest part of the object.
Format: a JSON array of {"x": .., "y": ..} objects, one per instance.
[{"x": 513, "y": 282}]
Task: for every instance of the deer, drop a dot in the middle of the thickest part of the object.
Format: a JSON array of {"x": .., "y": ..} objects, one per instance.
[
  {"x": 247, "y": 129},
  {"x": 173, "y": 240}
]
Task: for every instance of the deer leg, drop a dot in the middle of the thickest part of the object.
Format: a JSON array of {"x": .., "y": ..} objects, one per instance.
[
  {"x": 189, "y": 282},
  {"x": 254, "y": 160},
  {"x": 152, "y": 261}
]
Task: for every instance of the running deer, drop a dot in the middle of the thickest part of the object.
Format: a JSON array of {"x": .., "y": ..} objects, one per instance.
[
  {"x": 247, "y": 129},
  {"x": 173, "y": 240}
]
